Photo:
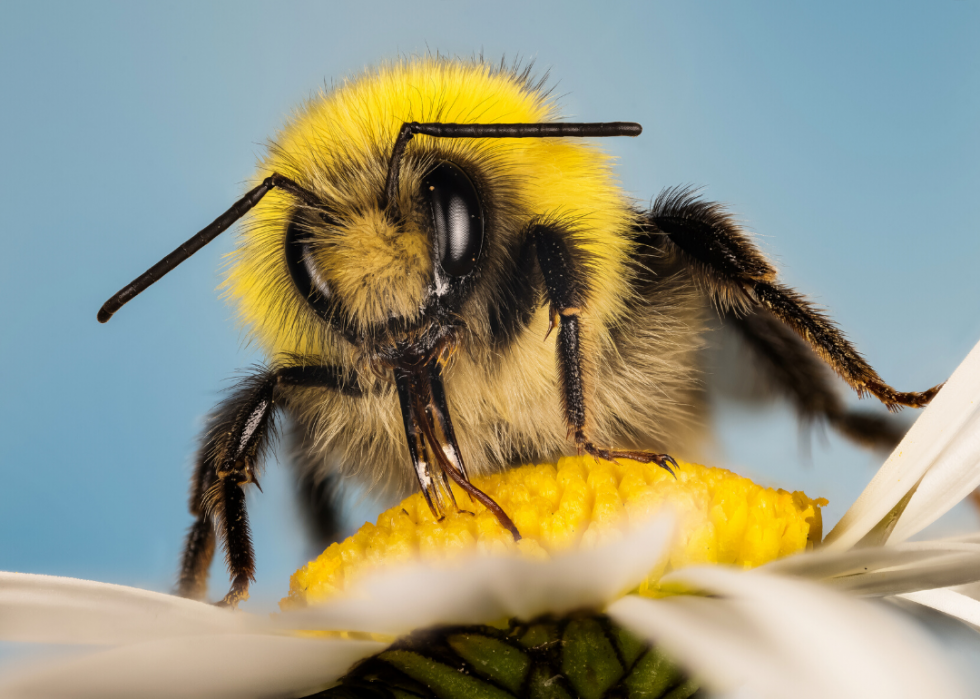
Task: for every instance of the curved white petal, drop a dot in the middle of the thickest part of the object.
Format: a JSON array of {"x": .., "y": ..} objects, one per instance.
[
  {"x": 209, "y": 667},
  {"x": 949, "y": 602},
  {"x": 770, "y": 636},
  {"x": 971, "y": 537},
  {"x": 889, "y": 570},
  {"x": 823, "y": 564},
  {"x": 971, "y": 590},
  {"x": 942, "y": 430},
  {"x": 938, "y": 572},
  {"x": 494, "y": 588},
  {"x": 955, "y": 474},
  {"x": 48, "y": 609}
]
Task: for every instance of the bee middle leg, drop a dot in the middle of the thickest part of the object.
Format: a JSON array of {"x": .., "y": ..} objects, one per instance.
[
  {"x": 566, "y": 288},
  {"x": 199, "y": 544}
]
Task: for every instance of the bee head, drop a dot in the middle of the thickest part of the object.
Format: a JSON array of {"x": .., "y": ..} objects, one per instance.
[
  {"x": 392, "y": 277},
  {"x": 396, "y": 205}
]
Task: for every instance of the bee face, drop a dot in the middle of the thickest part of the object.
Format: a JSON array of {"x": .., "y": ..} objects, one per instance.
[{"x": 414, "y": 267}]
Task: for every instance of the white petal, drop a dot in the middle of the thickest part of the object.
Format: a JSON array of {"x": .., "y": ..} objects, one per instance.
[
  {"x": 824, "y": 565},
  {"x": 233, "y": 666},
  {"x": 779, "y": 637},
  {"x": 972, "y": 590},
  {"x": 938, "y": 572},
  {"x": 948, "y": 602},
  {"x": 954, "y": 475},
  {"x": 492, "y": 588},
  {"x": 936, "y": 435},
  {"x": 48, "y": 609}
]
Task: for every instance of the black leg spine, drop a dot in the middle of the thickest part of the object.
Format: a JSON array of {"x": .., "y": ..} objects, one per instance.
[{"x": 570, "y": 373}]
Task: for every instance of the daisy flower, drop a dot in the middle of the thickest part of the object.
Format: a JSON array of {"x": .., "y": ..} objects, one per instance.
[{"x": 734, "y": 582}]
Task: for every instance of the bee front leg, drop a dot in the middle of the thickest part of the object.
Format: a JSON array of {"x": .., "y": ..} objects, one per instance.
[
  {"x": 238, "y": 435},
  {"x": 237, "y": 537},
  {"x": 237, "y": 439},
  {"x": 566, "y": 284}
]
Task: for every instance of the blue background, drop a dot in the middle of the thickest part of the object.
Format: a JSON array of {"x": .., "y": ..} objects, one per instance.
[{"x": 845, "y": 136}]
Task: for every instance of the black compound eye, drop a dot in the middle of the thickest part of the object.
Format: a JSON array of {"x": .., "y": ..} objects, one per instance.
[
  {"x": 457, "y": 217},
  {"x": 307, "y": 277}
]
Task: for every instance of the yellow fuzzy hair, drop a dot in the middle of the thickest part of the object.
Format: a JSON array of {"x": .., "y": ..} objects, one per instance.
[{"x": 338, "y": 145}]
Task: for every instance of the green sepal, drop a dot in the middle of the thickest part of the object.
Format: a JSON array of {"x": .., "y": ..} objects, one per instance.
[
  {"x": 589, "y": 660},
  {"x": 537, "y": 635},
  {"x": 582, "y": 656},
  {"x": 652, "y": 676},
  {"x": 630, "y": 647},
  {"x": 492, "y": 658},
  {"x": 685, "y": 690},
  {"x": 446, "y": 682},
  {"x": 543, "y": 685}
]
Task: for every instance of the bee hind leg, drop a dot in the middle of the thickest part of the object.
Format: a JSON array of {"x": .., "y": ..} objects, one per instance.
[
  {"x": 793, "y": 370},
  {"x": 736, "y": 275}
]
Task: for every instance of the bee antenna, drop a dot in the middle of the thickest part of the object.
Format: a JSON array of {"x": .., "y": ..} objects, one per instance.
[
  {"x": 202, "y": 238},
  {"x": 540, "y": 130}
]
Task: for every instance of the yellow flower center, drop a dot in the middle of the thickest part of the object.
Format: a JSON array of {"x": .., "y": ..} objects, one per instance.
[{"x": 577, "y": 503}]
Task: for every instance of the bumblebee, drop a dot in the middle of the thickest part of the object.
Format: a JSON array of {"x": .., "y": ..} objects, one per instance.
[{"x": 441, "y": 268}]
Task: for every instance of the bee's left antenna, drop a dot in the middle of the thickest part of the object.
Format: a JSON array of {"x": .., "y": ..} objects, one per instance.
[{"x": 199, "y": 240}]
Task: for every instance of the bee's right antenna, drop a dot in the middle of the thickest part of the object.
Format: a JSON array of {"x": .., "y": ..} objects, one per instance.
[
  {"x": 199, "y": 240},
  {"x": 540, "y": 130}
]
